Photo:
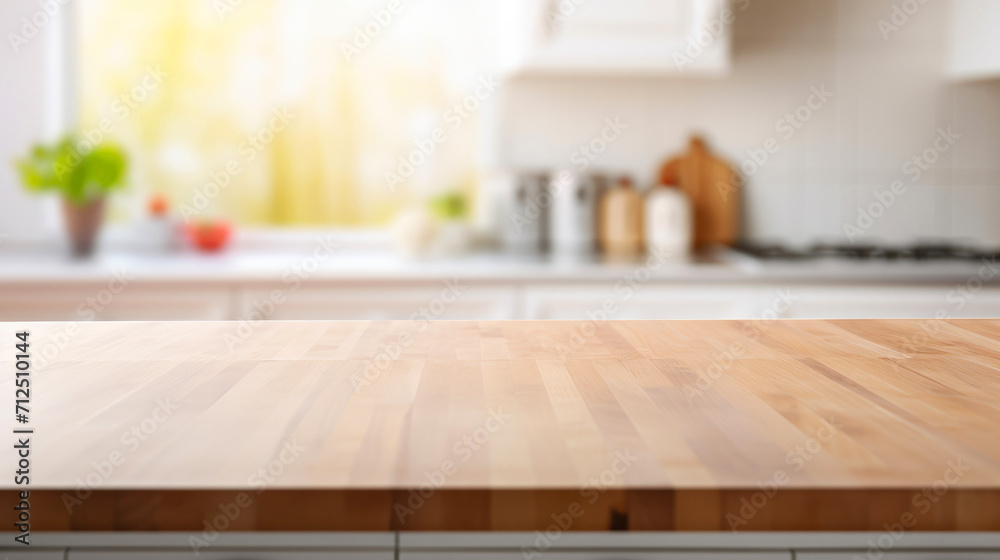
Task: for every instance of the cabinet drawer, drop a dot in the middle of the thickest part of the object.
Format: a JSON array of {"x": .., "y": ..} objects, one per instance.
[
  {"x": 610, "y": 555},
  {"x": 650, "y": 302},
  {"x": 438, "y": 300},
  {"x": 33, "y": 555},
  {"x": 113, "y": 301},
  {"x": 892, "y": 302},
  {"x": 223, "y": 555},
  {"x": 943, "y": 555}
]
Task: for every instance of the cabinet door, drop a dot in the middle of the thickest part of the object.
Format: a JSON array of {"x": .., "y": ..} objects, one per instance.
[
  {"x": 943, "y": 555},
  {"x": 609, "y": 555},
  {"x": 224, "y": 555},
  {"x": 441, "y": 300},
  {"x": 616, "y": 36},
  {"x": 33, "y": 555},
  {"x": 113, "y": 301},
  {"x": 651, "y": 302},
  {"x": 891, "y": 302},
  {"x": 975, "y": 47}
]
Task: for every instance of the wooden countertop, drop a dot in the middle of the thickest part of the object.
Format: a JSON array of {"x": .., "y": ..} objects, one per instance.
[{"x": 684, "y": 425}]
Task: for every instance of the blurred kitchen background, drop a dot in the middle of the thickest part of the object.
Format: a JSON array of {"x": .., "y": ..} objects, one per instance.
[{"x": 499, "y": 159}]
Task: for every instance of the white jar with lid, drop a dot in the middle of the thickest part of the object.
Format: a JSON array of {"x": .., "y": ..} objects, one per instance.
[{"x": 668, "y": 222}]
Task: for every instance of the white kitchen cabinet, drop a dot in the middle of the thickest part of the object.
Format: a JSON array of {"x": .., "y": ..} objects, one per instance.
[
  {"x": 609, "y": 555},
  {"x": 876, "y": 553},
  {"x": 223, "y": 555},
  {"x": 975, "y": 45},
  {"x": 33, "y": 555},
  {"x": 649, "y": 302},
  {"x": 496, "y": 299},
  {"x": 671, "y": 37},
  {"x": 438, "y": 300},
  {"x": 891, "y": 302},
  {"x": 113, "y": 301}
]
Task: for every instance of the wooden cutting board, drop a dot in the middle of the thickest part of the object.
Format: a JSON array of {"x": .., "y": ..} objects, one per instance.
[{"x": 713, "y": 187}]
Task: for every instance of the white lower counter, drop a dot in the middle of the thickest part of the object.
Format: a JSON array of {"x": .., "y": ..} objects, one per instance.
[
  {"x": 511, "y": 546},
  {"x": 466, "y": 300},
  {"x": 237, "y": 286}
]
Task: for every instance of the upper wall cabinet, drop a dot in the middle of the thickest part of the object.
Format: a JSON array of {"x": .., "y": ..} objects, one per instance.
[
  {"x": 660, "y": 37},
  {"x": 975, "y": 44}
]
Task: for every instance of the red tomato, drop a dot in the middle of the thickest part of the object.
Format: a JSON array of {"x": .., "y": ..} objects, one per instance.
[{"x": 209, "y": 236}]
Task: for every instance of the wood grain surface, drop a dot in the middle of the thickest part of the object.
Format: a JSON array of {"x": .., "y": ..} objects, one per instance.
[{"x": 673, "y": 425}]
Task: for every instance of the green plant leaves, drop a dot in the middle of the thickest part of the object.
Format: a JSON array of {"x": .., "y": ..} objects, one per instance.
[
  {"x": 79, "y": 172},
  {"x": 449, "y": 206}
]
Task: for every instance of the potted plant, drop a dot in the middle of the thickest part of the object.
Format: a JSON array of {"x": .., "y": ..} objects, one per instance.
[
  {"x": 454, "y": 235},
  {"x": 83, "y": 177}
]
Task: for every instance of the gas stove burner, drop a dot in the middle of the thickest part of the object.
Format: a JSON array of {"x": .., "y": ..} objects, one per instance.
[
  {"x": 849, "y": 251},
  {"x": 918, "y": 252},
  {"x": 927, "y": 252},
  {"x": 773, "y": 252}
]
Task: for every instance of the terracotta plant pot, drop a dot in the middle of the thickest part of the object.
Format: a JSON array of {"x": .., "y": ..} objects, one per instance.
[{"x": 82, "y": 223}]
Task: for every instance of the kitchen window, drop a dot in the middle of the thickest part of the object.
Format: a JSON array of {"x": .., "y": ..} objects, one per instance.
[{"x": 287, "y": 112}]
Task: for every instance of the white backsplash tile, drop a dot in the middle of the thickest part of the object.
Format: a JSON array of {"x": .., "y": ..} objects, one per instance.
[
  {"x": 890, "y": 99},
  {"x": 976, "y": 110},
  {"x": 976, "y": 213}
]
